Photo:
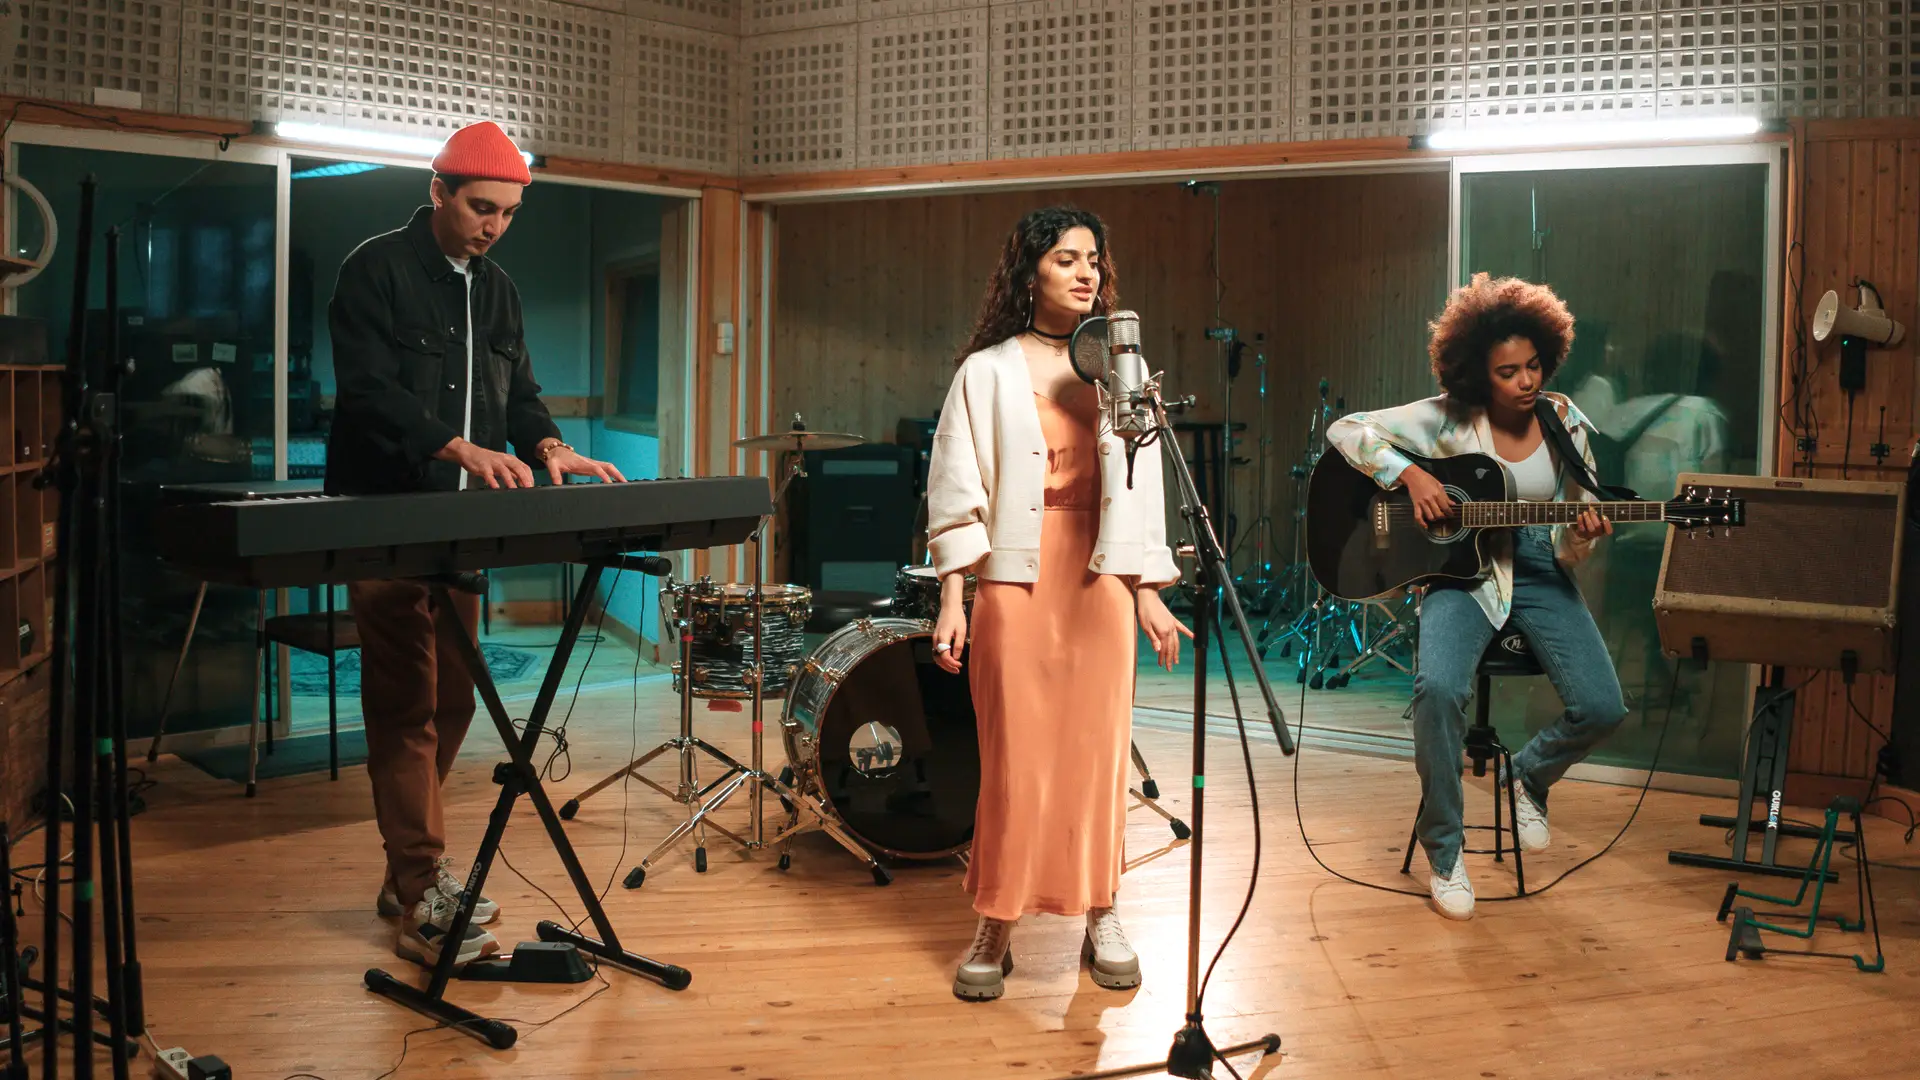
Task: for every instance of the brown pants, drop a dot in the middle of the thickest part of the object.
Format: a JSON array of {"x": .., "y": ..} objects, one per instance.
[{"x": 417, "y": 699}]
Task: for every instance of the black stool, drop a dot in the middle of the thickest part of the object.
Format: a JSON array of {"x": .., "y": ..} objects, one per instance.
[
  {"x": 833, "y": 610},
  {"x": 1508, "y": 656}
]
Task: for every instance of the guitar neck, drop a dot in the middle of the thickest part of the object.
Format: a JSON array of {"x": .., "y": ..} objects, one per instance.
[{"x": 1494, "y": 515}]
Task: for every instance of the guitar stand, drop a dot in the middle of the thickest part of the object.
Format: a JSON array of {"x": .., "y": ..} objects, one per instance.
[
  {"x": 517, "y": 776},
  {"x": 1764, "y": 777},
  {"x": 1743, "y": 937}
]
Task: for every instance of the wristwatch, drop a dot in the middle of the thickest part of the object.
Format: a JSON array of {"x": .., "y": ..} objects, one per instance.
[{"x": 551, "y": 448}]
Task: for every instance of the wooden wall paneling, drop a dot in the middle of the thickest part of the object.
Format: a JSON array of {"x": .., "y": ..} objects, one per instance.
[
  {"x": 715, "y": 403},
  {"x": 1340, "y": 273},
  {"x": 1857, "y": 197},
  {"x": 677, "y": 289}
]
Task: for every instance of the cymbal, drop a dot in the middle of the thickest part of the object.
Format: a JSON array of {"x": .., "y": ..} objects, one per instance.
[{"x": 799, "y": 440}]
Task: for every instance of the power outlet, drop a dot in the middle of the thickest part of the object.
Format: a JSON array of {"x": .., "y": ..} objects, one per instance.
[{"x": 171, "y": 1064}]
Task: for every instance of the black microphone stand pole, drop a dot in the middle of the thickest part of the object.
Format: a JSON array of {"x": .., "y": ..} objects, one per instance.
[
  {"x": 84, "y": 656},
  {"x": 1193, "y": 1053}
]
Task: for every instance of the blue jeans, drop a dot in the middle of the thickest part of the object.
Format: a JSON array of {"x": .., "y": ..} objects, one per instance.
[{"x": 1454, "y": 632}]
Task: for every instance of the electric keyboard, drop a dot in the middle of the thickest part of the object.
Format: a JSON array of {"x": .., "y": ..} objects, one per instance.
[{"x": 266, "y": 540}]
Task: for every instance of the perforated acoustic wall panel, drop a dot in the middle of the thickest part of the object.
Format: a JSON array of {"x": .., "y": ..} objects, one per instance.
[
  {"x": 682, "y": 103},
  {"x": 801, "y": 89},
  {"x": 1893, "y": 57},
  {"x": 774, "y": 16},
  {"x": 1062, "y": 78},
  {"x": 923, "y": 88},
  {"x": 1211, "y": 73},
  {"x": 64, "y": 49},
  {"x": 763, "y": 86}
]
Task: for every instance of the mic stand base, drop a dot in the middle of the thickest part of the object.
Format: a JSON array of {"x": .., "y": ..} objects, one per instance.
[{"x": 1192, "y": 1056}]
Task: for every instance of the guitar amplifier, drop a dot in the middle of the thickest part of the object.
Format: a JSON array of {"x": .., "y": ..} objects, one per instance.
[{"x": 1813, "y": 574}]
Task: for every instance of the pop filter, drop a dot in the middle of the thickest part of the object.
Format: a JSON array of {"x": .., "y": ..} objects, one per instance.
[{"x": 1087, "y": 350}]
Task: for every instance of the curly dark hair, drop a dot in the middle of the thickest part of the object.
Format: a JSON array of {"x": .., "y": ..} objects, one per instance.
[
  {"x": 1007, "y": 308},
  {"x": 1486, "y": 312}
]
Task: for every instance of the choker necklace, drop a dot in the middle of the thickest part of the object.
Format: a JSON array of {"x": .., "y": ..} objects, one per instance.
[{"x": 1037, "y": 332}]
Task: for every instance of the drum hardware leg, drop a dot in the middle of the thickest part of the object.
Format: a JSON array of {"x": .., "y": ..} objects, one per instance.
[
  {"x": 826, "y": 823},
  {"x": 696, "y": 818},
  {"x": 1180, "y": 829},
  {"x": 1148, "y": 794},
  {"x": 572, "y": 806},
  {"x": 1150, "y": 789}
]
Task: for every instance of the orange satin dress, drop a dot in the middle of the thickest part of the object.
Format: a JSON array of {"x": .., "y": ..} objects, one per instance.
[{"x": 1051, "y": 668}]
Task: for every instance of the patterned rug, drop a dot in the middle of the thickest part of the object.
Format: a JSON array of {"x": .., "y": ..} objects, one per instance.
[{"x": 505, "y": 662}]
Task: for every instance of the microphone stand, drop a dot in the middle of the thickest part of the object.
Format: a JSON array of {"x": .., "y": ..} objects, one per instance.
[{"x": 1192, "y": 1054}]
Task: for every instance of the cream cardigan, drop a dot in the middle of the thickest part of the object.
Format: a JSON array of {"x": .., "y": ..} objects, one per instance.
[{"x": 986, "y": 484}]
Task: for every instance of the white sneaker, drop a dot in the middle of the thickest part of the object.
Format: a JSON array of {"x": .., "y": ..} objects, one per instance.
[
  {"x": 1529, "y": 818},
  {"x": 1453, "y": 894},
  {"x": 1110, "y": 959},
  {"x": 484, "y": 910},
  {"x": 989, "y": 960},
  {"x": 422, "y": 933}
]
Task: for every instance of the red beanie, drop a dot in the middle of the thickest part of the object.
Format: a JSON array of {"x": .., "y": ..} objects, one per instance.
[{"x": 482, "y": 152}]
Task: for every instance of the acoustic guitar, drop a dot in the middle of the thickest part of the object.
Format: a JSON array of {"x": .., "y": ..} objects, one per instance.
[{"x": 1364, "y": 543}]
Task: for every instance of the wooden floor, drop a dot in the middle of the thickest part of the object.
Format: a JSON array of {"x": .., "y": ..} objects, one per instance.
[{"x": 256, "y": 922}]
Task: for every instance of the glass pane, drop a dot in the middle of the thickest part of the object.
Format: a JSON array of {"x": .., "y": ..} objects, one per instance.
[
  {"x": 561, "y": 251},
  {"x": 1663, "y": 269},
  {"x": 196, "y": 317}
]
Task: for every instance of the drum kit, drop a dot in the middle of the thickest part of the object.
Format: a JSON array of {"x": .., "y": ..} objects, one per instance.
[{"x": 881, "y": 743}]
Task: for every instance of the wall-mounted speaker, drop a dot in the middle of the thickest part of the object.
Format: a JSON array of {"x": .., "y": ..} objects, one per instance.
[{"x": 1813, "y": 575}]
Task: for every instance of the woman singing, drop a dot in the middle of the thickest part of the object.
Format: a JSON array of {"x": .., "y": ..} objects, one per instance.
[
  {"x": 1029, "y": 494},
  {"x": 1493, "y": 348}
]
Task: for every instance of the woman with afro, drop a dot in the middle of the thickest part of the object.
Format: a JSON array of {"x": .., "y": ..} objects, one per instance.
[{"x": 1493, "y": 350}]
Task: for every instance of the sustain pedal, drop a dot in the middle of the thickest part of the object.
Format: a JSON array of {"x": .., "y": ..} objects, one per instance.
[{"x": 531, "y": 962}]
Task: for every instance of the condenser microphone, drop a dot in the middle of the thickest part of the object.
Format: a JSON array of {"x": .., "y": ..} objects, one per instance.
[{"x": 1125, "y": 379}]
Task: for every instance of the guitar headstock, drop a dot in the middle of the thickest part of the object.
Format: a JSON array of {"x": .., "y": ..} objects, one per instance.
[{"x": 1698, "y": 507}]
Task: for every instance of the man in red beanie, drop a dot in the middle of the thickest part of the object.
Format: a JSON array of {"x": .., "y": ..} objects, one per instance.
[{"x": 433, "y": 383}]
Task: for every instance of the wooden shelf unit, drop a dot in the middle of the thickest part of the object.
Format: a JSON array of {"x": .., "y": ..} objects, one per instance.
[{"x": 30, "y": 412}]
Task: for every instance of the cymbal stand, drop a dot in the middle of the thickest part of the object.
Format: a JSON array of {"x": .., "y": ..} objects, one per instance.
[
  {"x": 1397, "y": 624},
  {"x": 1261, "y": 590},
  {"x": 1302, "y": 596},
  {"x": 703, "y": 801}
]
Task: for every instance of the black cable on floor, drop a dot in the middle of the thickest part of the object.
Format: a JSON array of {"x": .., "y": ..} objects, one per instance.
[{"x": 1299, "y": 739}]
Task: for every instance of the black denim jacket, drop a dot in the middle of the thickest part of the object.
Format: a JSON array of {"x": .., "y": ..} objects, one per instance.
[{"x": 399, "y": 326}]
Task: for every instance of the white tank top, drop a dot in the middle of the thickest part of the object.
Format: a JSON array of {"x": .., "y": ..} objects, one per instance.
[{"x": 1534, "y": 479}]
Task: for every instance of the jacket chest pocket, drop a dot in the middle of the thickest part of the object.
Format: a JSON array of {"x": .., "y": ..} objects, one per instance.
[
  {"x": 502, "y": 357},
  {"x": 423, "y": 353}
]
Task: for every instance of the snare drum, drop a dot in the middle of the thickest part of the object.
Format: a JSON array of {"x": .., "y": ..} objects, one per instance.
[
  {"x": 886, "y": 739},
  {"x": 916, "y": 594},
  {"x": 720, "y": 620}
]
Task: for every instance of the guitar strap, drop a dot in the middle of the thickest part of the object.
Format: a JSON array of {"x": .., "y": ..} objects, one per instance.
[{"x": 1556, "y": 433}]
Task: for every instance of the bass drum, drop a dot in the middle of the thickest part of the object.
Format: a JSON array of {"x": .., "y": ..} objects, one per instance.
[{"x": 886, "y": 739}]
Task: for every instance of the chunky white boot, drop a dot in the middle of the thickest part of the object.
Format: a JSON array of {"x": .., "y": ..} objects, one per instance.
[
  {"x": 1110, "y": 960},
  {"x": 982, "y": 974}
]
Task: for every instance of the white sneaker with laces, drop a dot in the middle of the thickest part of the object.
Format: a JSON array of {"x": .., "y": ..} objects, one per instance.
[
  {"x": 1110, "y": 959},
  {"x": 1453, "y": 894},
  {"x": 484, "y": 910},
  {"x": 989, "y": 960},
  {"x": 422, "y": 933},
  {"x": 1530, "y": 818}
]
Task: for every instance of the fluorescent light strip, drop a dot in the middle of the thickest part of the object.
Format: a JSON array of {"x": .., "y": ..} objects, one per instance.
[
  {"x": 1579, "y": 133},
  {"x": 374, "y": 141}
]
